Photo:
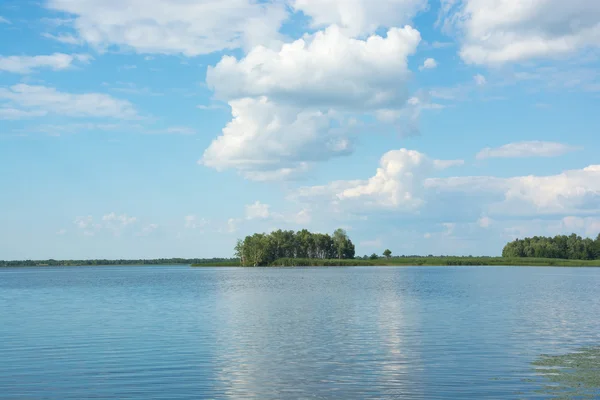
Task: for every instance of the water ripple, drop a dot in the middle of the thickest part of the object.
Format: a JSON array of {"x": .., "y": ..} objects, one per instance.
[{"x": 318, "y": 333}]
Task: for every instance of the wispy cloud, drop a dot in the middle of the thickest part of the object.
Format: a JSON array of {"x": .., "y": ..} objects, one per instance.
[
  {"x": 526, "y": 149},
  {"x": 30, "y": 64},
  {"x": 36, "y": 100}
]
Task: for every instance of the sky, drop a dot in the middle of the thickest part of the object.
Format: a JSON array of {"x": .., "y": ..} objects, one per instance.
[{"x": 171, "y": 128}]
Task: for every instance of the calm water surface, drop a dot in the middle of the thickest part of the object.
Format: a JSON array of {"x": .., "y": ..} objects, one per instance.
[{"x": 320, "y": 333}]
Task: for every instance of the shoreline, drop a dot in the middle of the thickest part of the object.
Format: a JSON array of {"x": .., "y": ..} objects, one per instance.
[
  {"x": 427, "y": 262},
  {"x": 382, "y": 262}
]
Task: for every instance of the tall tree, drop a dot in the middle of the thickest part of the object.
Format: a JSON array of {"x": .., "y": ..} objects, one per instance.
[
  {"x": 340, "y": 239},
  {"x": 387, "y": 253}
]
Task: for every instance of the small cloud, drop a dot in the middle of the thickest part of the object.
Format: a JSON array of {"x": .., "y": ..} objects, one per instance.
[
  {"x": 122, "y": 220},
  {"x": 127, "y": 67},
  {"x": 429, "y": 63},
  {"x": 542, "y": 106},
  {"x": 443, "y": 164},
  {"x": 61, "y": 232},
  {"x": 57, "y": 22},
  {"x": 485, "y": 222},
  {"x": 257, "y": 210},
  {"x": 441, "y": 45},
  {"x": 83, "y": 222},
  {"x": 4, "y": 20},
  {"x": 232, "y": 225},
  {"x": 303, "y": 217},
  {"x": 427, "y": 235},
  {"x": 147, "y": 230},
  {"x": 63, "y": 38},
  {"x": 148, "y": 58},
  {"x": 450, "y": 226},
  {"x": 526, "y": 149},
  {"x": 31, "y": 64},
  {"x": 210, "y": 107},
  {"x": 181, "y": 130},
  {"x": 192, "y": 222},
  {"x": 480, "y": 80}
]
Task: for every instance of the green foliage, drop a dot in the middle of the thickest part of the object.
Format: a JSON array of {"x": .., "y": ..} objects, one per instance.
[
  {"x": 374, "y": 257},
  {"x": 387, "y": 253},
  {"x": 158, "y": 261},
  {"x": 263, "y": 249},
  {"x": 571, "y": 247},
  {"x": 313, "y": 262}
]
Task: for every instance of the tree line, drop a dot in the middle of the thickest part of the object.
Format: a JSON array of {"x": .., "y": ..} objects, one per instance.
[
  {"x": 157, "y": 261},
  {"x": 572, "y": 247},
  {"x": 264, "y": 249}
]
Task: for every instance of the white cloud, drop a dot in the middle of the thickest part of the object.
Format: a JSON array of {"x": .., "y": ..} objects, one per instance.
[
  {"x": 265, "y": 141},
  {"x": 29, "y": 64},
  {"x": 358, "y": 17},
  {"x": 4, "y": 20},
  {"x": 112, "y": 222},
  {"x": 13, "y": 113},
  {"x": 61, "y": 232},
  {"x": 75, "y": 128},
  {"x": 210, "y": 107},
  {"x": 178, "y": 130},
  {"x": 443, "y": 164},
  {"x": 485, "y": 222},
  {"x": 148, "y": 230},
  {"x": 187, "y": 27},
  {"x": 116, "y": 223},
  {"x": 63, "y": 38},
  {"x": 429, "y": 63},
  {"x": 450, "y": 227},
  {"x": 281, "y": 126},
  {"x": 397, "y": 184},
  {"x": 480, "y": 80},
  {"x": 526, "y": 149},
  {"x": 30, "y": 101},
  {"x": 122, "y": 219},
  {"x": 193, "y": 222},
  {"x": 571, "y": 192},
  {"x": 232, "y": 225},
  {"x": 84, "y": 222},
  {"x": 441, "y": 45},
  {"x": 329, "y": 69},
  {"x": 302, "y": 217},
  {"x": 494, "y": 32},
  {"x": 589, "y": 226},
  {"x": 257, "y": 210}
]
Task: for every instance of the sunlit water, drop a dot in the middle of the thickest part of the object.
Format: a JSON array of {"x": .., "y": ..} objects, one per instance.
[{"x": 320, "y": 333}]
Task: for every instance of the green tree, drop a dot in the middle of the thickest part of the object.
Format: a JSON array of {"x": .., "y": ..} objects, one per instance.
[
  {"x": 387, "y": 253},
  {"x": 374, "y": 256},
  {"x": 239, "y": 251},
  {"x": 340, "y": 239}
]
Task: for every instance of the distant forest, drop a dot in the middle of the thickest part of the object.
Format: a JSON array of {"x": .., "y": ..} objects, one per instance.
[
  {"x": 158, "y": 261},
  {"x": 294, "y": 248},
  {"x": 571, "y": 247}
]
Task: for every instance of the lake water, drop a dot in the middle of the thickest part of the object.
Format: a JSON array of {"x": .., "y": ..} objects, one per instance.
[{"x": 320, "y": 333}]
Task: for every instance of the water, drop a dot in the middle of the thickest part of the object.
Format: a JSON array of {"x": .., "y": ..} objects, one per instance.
[{"x": 320, "y": 333}]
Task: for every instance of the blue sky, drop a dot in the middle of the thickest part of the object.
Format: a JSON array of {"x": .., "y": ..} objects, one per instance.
[{"x": 163, "y": 128}]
